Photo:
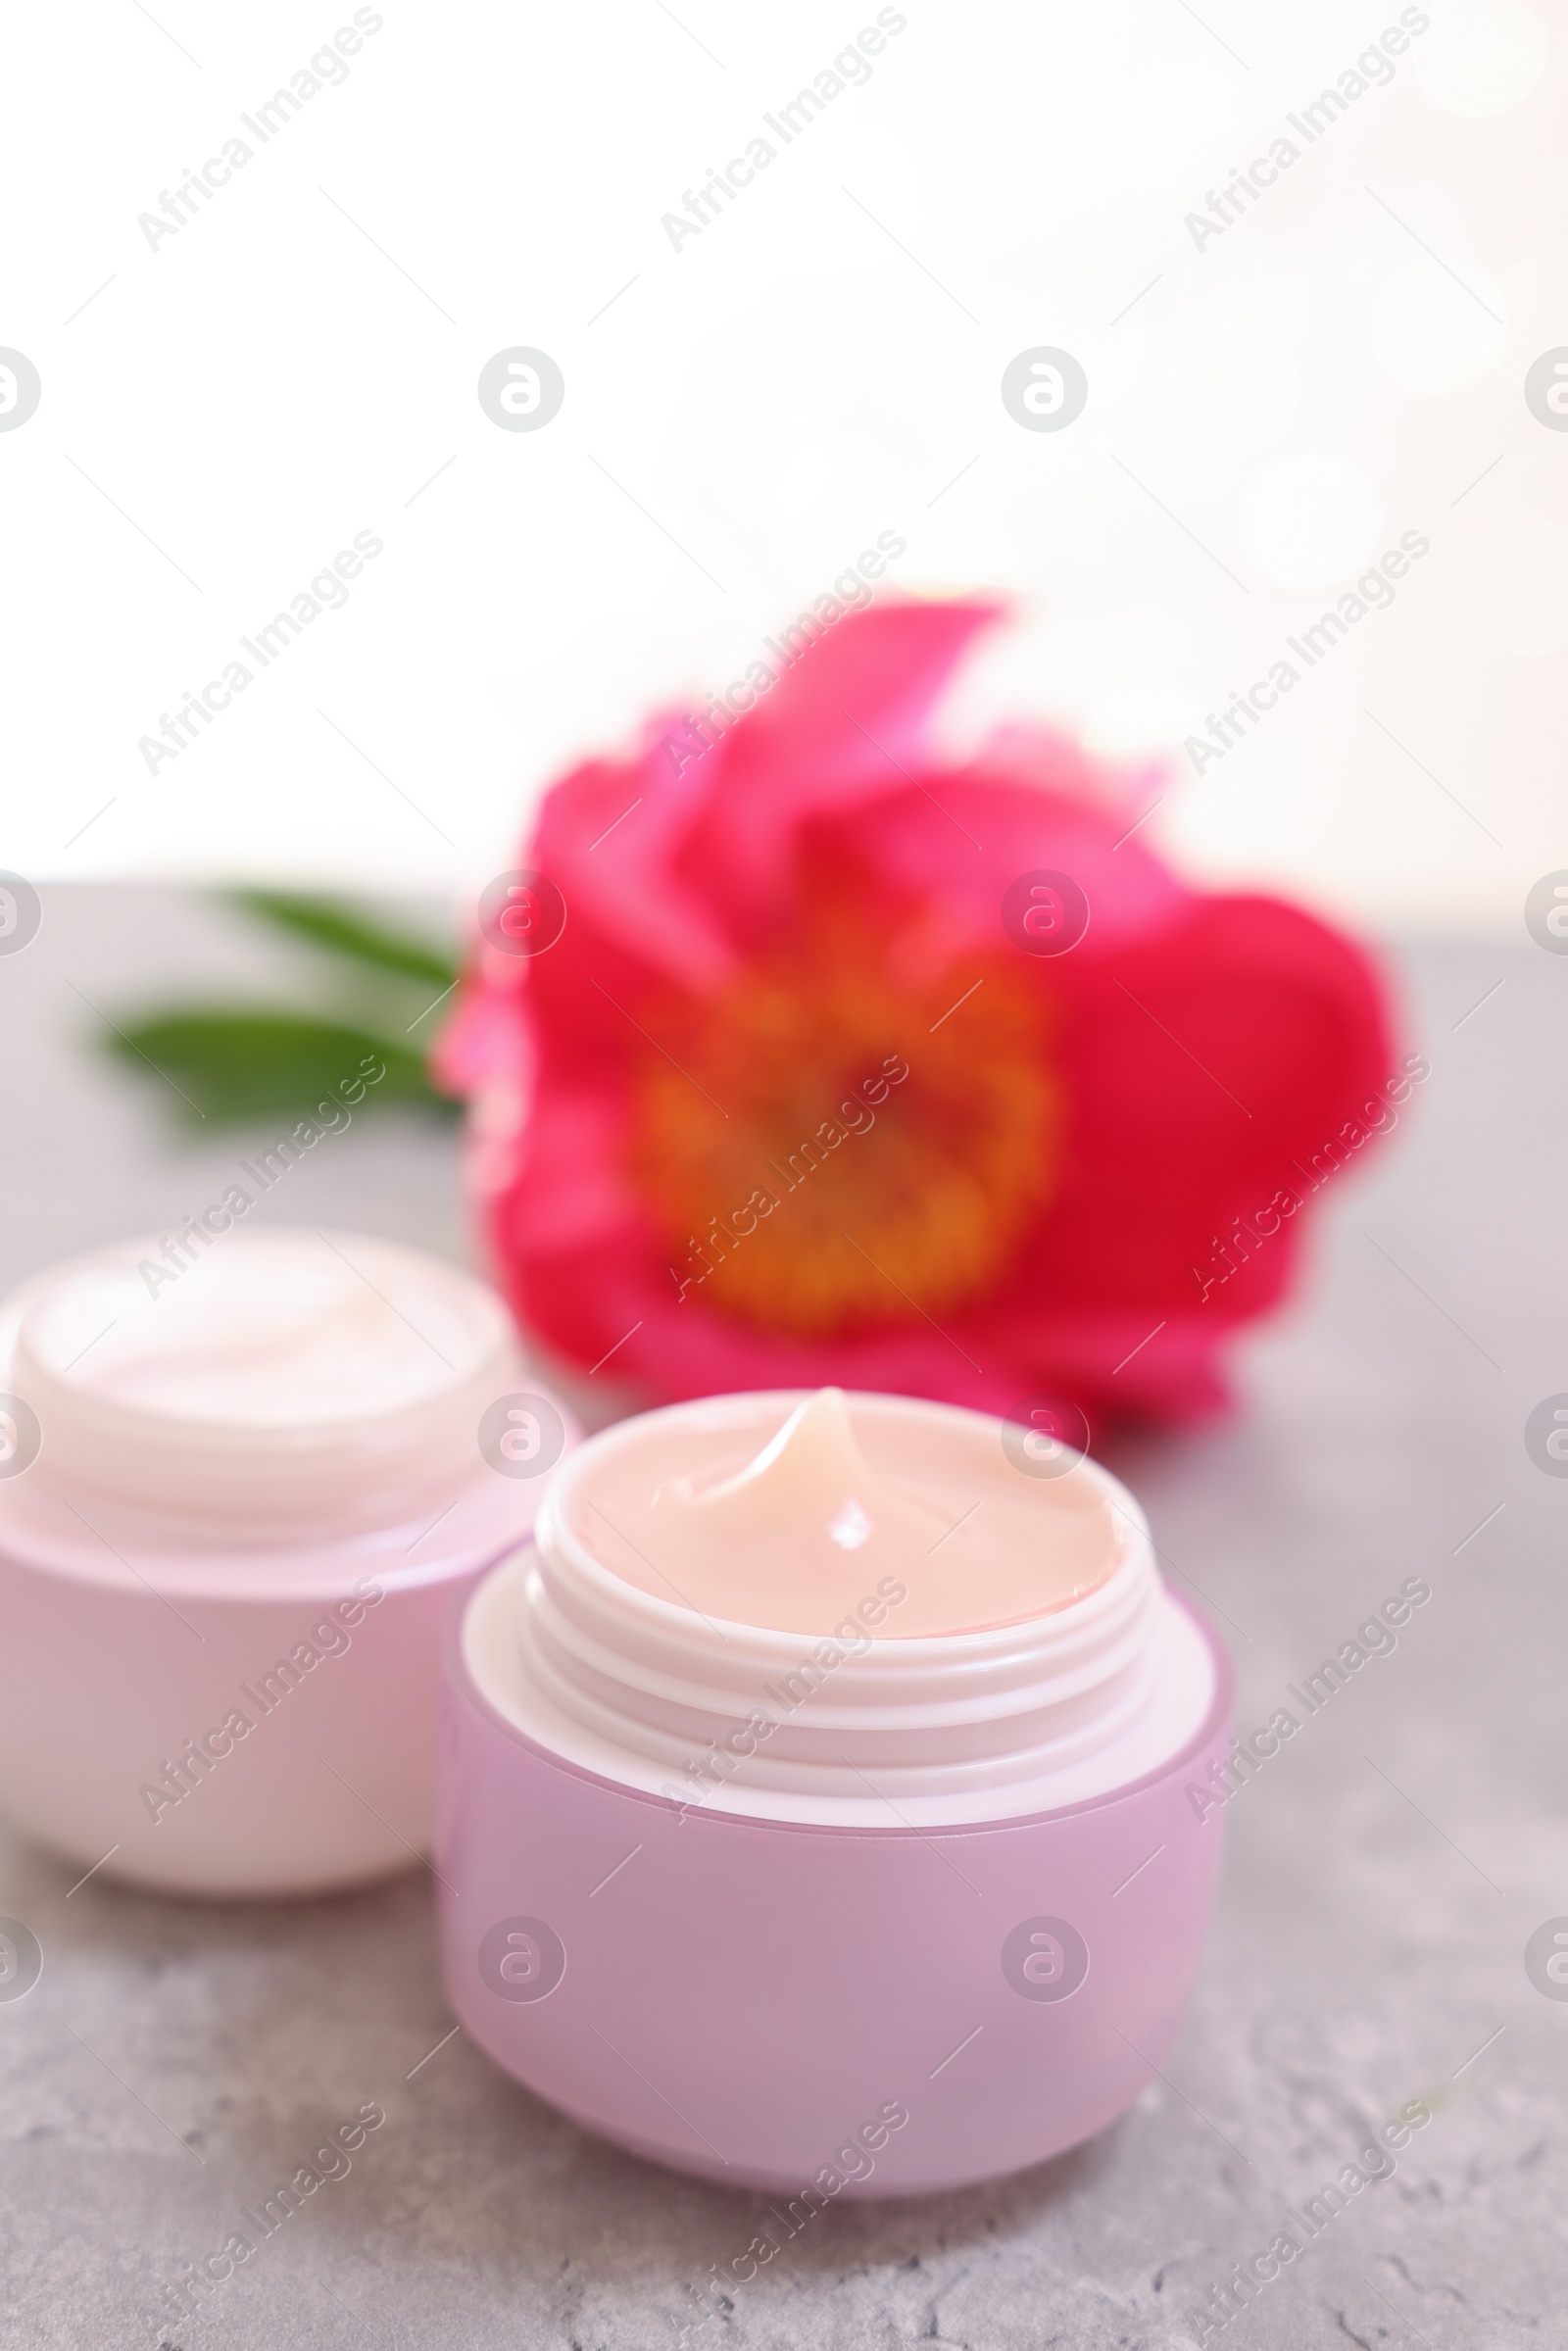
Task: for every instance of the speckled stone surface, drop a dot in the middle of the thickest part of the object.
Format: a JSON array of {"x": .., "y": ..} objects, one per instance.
[{"x": 1386, "y": 1869}]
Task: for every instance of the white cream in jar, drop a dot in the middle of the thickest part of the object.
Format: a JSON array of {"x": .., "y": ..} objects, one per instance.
[
  {"x": 236, "y": 1500},
  {"x": 289, "y": 1382}
]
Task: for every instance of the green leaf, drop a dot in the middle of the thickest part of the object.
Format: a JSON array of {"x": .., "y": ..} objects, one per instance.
[
  {"x": 245, "y": 1064},
  {"x": 330, "y": 923}
]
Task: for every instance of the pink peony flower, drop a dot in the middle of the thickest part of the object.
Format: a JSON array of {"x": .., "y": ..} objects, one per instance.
[{"x": 796, "y": 1059}]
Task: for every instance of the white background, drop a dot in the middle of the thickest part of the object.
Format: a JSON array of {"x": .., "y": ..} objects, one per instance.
[{"x": 819, "y": 365}]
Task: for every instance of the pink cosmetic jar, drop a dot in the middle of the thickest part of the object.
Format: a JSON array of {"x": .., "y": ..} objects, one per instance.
[
  {"x": 863, "y": 1914},
  {"x": 241, "y": 1475}
]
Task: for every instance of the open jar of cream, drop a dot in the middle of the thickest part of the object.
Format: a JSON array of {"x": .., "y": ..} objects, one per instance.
[
  {"x": 815, "y": 1806},
  {"x": 239, "y": 1484}
]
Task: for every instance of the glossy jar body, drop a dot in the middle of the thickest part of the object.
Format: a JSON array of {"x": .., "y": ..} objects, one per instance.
[{"x": 756, "y": 1999}]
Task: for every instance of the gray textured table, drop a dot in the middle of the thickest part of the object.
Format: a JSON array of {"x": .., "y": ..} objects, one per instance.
[{"x": 1384, "y": 1871}]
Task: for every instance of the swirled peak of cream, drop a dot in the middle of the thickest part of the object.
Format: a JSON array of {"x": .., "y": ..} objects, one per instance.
[
  {"x": 851, "y": 1499},
  {"x": 283, "y": 1378}
]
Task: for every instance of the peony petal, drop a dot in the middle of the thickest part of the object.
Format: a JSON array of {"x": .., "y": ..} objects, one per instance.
[
  {"x": 966, "y": 837},
  {"x": 610, "y": 837},
  {"x": 844, "y": 725}
]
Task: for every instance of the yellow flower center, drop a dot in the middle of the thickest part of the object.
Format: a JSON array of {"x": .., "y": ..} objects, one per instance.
[{"x": 858, "y": 1130}]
